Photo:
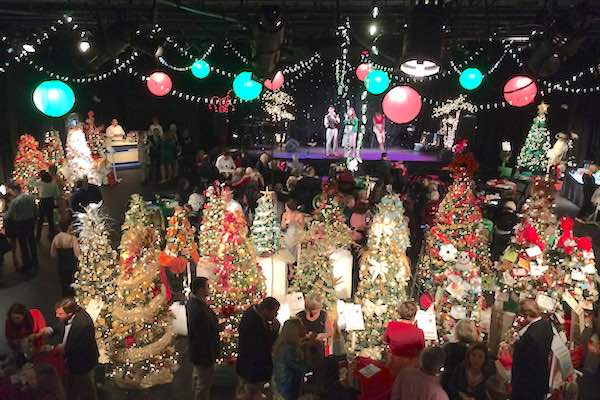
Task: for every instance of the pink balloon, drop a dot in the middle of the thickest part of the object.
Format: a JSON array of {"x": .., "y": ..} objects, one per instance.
[
  {"x": 362, "y": 71},
  {"x": 520, "y": 91},
  {"x": 401, "y": 104},
  {"x": 276, "y": 83},
  {"x": 159, "y": 83}
]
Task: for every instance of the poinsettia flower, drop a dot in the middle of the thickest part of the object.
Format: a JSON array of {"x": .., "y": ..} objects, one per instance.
[{"x": 584, "y": 243}]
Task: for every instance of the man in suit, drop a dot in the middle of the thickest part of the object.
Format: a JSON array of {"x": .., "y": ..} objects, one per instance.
[
  {"x": 257, "y": 333},
  {"x": 531, "y": 365},
  {"x": 79, "y": 348},
  {"x": 203, "y": 336}
]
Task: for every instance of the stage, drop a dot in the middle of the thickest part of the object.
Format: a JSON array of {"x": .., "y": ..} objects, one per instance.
[{"x": 318, "y": 153}]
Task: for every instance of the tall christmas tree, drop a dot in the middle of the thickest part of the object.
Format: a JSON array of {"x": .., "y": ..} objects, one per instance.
[
  {"x": 136, "y": 214},
  {"x": 142, "y": 334},
  {"x": 326, "y": 233},
  {"x": 384, "y": 273},
  {"x": 98, "y": 269},
  {"x": 29, "y": 161},
  {"x": 79, "y": 157},
  {"x": 533, "y": 157},
  {"x": 237, "y": 280},
  {"x": 53, "y": 151},
  {"x": 266, "y": 230},
  {"x": 212, "y": 221},
  {"x": 456, "y": 252}
]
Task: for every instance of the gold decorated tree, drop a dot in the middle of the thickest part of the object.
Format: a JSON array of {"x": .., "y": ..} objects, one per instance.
[
  {"x": 212, "y": 221},
  {"x": 326, "y": 233},
  {"x": 136, "y": 214},
  {"x": 456, "y": 254},
  {"x": 181, "y": 247},
  {"x": 53, "y": 150},
  {"x": 29, "y": 161},
  {"x": 98, "y": 269},
  {"x": 384, "y": 273},
  {"x": 237, "y": 281},
  {"x": 142, "y": 333}
]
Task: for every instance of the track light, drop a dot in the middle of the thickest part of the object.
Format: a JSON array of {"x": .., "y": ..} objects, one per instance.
[
  {"x": 423, "y": 41},
  {"x": 375, "y": 12},
  {"x": 84, "y": 45},
  {"x": 28, "y": 47},
  {"x": 372, "y": 29}
]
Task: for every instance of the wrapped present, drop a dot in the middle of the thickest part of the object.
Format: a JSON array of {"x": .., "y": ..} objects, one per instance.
[{"x": 374, "y": 379}]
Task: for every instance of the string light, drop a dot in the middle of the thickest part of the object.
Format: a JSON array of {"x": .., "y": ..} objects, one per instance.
[
  {"x": 230, "y": 47},
  {"x": 341, "y": 64}
]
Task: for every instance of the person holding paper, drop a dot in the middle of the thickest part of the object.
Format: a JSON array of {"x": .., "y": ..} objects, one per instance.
[
  {"x": 531, "y": 355},
  {"x": 314, "y": 319},
  {"x": 405, "y": 339},
  {"x": 79, "y": 348}
]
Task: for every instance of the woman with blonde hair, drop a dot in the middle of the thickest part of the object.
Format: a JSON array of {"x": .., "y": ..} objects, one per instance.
[
  {"x": 289, "y": 356},
  {"x": 314, "y": 319},
  {"x": 465, "y": 334}
]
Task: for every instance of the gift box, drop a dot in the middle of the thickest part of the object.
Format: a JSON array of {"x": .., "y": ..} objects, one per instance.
[{"x": 374, "y": 379}]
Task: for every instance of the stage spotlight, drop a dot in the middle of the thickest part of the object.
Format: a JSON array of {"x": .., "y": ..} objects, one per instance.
[
  {"x": 28, "y": 47},
  {"x": 68, "y": 18},
  {"x": 375, "y": 12},
  {"x": 423, "y": 41},
  {"x": 84, "y": 45}
]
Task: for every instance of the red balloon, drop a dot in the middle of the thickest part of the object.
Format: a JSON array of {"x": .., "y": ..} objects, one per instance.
[
  {"x": 402, "y": 104},
  {"x": 159, "y": 83},
  {"x": 362, "y": 71},
  {"x": 520, "y": 91}
]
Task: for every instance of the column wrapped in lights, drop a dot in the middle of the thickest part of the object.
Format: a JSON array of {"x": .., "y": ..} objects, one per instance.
[{"x": 422, "y": 46}]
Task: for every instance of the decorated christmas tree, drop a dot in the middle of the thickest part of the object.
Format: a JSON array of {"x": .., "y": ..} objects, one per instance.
[
  {"x": 181, "y": 247},
  {"x": 266, "y": 230},
  {"x": 533, "y": 157},
  {"x": 79, "y": 157},
  {"x": 384, "y": 273},
  {"x": 142, "y": 334},
  {"x": 29, "y": 161},
  {"x": 136, "y": 214},
  {"x": 53, "y": 151},
  {"x": 456, "y": 252},
  {"x": 326, "y": 233},
  {"x": 237, "y": 280},
  {"x": 98, "y": 269},
  {"x": 212, "y": 221},
  {"x": 278, "y": 105}
]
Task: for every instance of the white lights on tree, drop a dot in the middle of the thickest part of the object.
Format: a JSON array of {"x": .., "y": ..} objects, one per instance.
[
  {"x": 278, "y": 105},
  {"x": 450, "y": 113},
  {"x": 341, "y": 64}
]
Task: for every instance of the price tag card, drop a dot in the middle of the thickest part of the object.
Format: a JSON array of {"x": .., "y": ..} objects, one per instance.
[
  {"x": 577, "y": 275},
  {"x": 456, "y": 290},
  {"x": 369, "y": 371},
  {"x": 537, "y": 270},
  {"x": 353, "y": 316},
  {"x": 520, "y": 272},
  {"x": 295, "y": 302},
  {"x": 545, "y": 302},
  {"x": 533, "y": 252},
  {"x": 426, "y": 322},
  {"x": 458, "y": 312}
]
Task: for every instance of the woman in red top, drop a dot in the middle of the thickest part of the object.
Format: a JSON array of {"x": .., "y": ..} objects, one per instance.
[
  {"x": 379, "y": 129},
  {"x": 405, "y": 339},
  {"x": 22, "y": 323}
]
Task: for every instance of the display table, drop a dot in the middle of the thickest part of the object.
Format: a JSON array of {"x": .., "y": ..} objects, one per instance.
[
  {"x": 124, "y": 153},
  {"x": 572, "y": 188}
]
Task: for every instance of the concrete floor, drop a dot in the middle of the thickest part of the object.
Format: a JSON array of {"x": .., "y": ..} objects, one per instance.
[{"x": 42, "y": 290}]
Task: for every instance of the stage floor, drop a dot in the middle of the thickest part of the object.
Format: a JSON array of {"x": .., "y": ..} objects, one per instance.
[{"x": 394, "y": 154}]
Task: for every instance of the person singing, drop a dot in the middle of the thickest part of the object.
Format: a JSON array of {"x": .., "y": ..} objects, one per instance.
[
  {"x": 379, "y": 129},
  {"x": 331, "y": 122},
  {"x": 350, "y": 131}
]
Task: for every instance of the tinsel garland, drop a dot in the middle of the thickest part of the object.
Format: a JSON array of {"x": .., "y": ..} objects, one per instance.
[{"x": 138, "y": 354}]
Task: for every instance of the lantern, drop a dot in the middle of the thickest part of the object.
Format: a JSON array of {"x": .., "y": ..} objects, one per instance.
[
  {"x": 401, "y": 104},
  {"x": 53, "y": 98},
  {"x": 520, "y": 91},
  {"x": 159, "y": 83}
]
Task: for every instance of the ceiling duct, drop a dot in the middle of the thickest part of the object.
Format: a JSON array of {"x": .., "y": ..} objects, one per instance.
[{"x": 268, "y": 34}]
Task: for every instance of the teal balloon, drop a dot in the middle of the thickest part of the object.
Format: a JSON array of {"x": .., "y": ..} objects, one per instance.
[
  {"x": 200, "y": 69},
  {"x": 54, "y": 98},
  {"x": 245, "y": 88},
  {"x": 470, "y": 78},
  {"x": 377, "y": 81}
]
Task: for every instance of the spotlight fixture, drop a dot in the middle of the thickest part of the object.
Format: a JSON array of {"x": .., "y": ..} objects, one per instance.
[
  {"x": 372, "y": 29},
  {"x": 423, "y": 40},
  {"x": 375, "y": 12},
  {"x": 68, "y": 18},
  {"x": 84, "y": 45},
  {"x": 28, "y": 47}
]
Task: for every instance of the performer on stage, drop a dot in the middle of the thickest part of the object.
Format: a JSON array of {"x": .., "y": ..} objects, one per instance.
[
  {"x": 379, "y": 129},
  {"x": 350, "y": 131},
  {"x": 331, "y": 122}
]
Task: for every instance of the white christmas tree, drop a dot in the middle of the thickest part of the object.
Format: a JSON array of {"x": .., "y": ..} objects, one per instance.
[
  {"x": 79, "y": 157},
  {"x": 266, "y": 231}
]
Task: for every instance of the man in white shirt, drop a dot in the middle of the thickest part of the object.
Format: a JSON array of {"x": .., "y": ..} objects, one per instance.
[
  {"x": 155, "y": 126},
  {"x": 225, "y": 164},
  {"x": 331, "y": 122},
  {"x": 115, "y": 131},
  {"x": 232, "y": 205}
]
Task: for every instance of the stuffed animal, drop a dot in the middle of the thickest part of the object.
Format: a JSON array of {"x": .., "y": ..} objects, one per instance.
[
  {"x": 463, "y": 261},
  {"x": 559, "y": 150}
]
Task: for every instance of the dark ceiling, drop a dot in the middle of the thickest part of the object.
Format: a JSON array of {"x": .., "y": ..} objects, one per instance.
[{"x": 310, "y": 24}]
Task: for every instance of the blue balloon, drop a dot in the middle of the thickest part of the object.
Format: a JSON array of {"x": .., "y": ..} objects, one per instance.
[
  {"x": 470, "y": 78},
  {"x": 200, "y": 69},
  {"x": 54, "y": 98},
  {"x": 377, "y": 81},
  {"x": 245, "y": 88}
]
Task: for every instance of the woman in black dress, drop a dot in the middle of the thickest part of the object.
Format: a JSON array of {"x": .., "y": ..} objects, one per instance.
[
  {"x": 66, "y": 248},
  {"x": 315, "y": 321}
]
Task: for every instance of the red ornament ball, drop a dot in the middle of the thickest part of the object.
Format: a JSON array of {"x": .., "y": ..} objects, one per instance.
[
  {"x": 362, "y": 71},
  {"x": 520, "y": 91},
  {"x": 402, "y": 104},
  {"x": 159, "y": 83}
]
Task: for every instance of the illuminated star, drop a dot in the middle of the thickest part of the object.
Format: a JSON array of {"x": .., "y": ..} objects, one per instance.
[{"x": 542, "y": 108}]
